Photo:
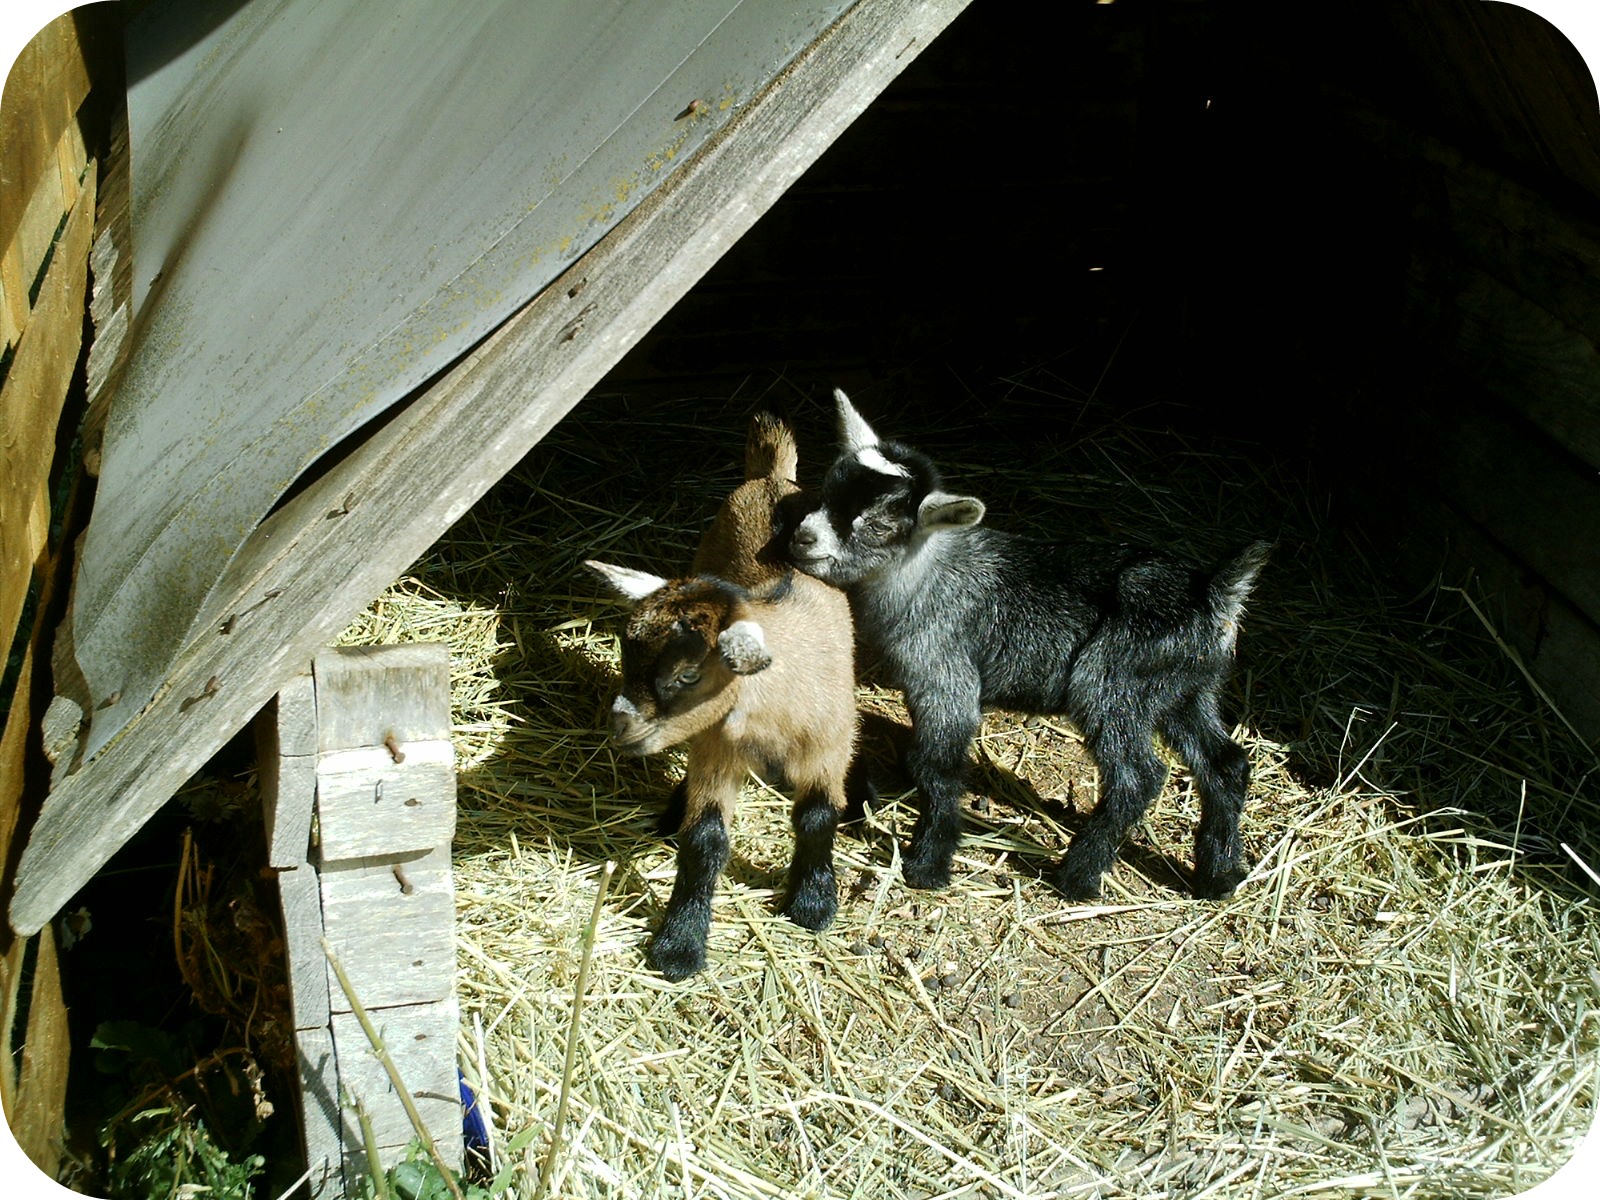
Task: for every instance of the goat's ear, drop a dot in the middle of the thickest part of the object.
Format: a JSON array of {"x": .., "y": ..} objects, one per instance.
[
  {"x": 941, "y": 510},
  {"x": 855, "y": 435},
  {"x": 743, "y": 646},
  {"x": 625, "y": 581}
]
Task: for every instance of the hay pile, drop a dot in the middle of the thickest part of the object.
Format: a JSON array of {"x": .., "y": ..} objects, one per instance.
[{"x": 1399, "y": 1001}]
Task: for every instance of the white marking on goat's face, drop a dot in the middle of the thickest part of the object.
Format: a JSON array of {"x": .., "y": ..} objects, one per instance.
[{"x": 814, "y": 546}]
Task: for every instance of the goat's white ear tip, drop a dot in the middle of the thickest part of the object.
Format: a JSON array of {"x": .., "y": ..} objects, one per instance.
[{"x": 631, "y": 584}]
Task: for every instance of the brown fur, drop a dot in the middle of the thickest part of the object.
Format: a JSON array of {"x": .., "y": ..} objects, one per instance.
[
  {"x": 738, "y": 545},
  {"x": 695, "y": 673}
]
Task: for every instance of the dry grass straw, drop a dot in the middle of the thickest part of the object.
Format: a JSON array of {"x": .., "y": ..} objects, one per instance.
[{"x": 1399, "y": 1002}]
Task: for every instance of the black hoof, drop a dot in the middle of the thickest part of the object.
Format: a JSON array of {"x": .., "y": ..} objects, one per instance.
[
  {"x": 812, "y": 907},
  {"x": 674, "y": 958},
  {"x": 1075, "y": 884},
  {"x": 925, "y": 872},
  {"x": 1220, "y": 885}
]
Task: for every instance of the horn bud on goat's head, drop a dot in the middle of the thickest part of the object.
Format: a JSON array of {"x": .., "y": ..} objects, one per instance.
[{"x": 855, "y": 435}]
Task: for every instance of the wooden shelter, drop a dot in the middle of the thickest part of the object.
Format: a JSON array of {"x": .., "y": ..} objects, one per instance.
[{"x": 1374, "y": 238}]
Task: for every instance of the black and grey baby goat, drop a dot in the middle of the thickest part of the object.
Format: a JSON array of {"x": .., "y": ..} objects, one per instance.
[{"x": 1128, "y": 643}]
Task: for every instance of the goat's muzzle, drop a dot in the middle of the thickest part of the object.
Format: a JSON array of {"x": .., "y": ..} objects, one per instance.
[{"x": 630, "y": 732}]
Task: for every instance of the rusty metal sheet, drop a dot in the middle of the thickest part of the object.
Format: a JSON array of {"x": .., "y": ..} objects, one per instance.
[{"x": 332, "y": 200}]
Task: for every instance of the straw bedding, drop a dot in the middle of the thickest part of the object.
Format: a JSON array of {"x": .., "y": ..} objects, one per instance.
[{"x": 1398, "y": 1002}]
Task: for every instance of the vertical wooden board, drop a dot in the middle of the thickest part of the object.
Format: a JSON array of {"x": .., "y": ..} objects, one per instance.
[
  {"x": 319, "y": 1110},
  {"x": 296, "y": 716},
  {"x": 397, "y": 946},
  {"x": 48, "y": 83},
  {"x": 369, "y": 804},
  {"x": 30, "y": 410},
  {"x": 288, "y": 797},
  {"x": 366, "y": 694},
  {"x": 421, "y": 1040},
  {"x": 285, "y": 752},
  {"x": 286, "y": 739},
  {"x": 300, "y": 895},
  {"x": 39, "y": 1119}
]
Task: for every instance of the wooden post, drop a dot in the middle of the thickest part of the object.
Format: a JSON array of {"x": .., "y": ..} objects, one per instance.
[{"x": 362, "y": 741}]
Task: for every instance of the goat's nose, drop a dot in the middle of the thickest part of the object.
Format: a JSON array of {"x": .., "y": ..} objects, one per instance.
[{"x": 804, "y": 538}]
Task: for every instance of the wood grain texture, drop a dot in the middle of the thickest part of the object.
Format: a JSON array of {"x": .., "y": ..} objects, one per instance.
[
  {"x": 369, "y": 804},
  {"x": 43, "y": 153},
  {"x": 326, "y": 553},
  {"x": 286, "y": 761},
  {"x": 300, "y": 900},
  {"x": 397, "y": 947},
  {"x": 421, "y": 1039},
  {"x": 319, "y": 1110},
  {"x": 42, "y": 1077},
  {"x": 368, "y": 694},
  {"x": 30, "y": 410}
]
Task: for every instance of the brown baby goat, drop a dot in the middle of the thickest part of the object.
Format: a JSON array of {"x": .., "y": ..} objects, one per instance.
[{"x": 752, "y": 666}]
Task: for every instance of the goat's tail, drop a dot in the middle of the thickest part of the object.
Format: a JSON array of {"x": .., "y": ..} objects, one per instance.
[
  {"x": 1232, "y": 581},
  {"x": 770, "y": 450}
]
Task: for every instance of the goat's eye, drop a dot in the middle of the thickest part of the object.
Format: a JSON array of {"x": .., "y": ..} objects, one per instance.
[{"x": 689, "y": 678}]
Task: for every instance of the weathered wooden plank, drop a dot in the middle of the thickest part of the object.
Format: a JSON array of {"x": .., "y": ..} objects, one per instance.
[
  {"x": 47, "y": 84},
  {"x": 391, "y": 920},
  {"x": 369, "y": 804},
  {"x": 319, "y": 1110},
  {"x": 326, "y": 553},
  {"x": 300, "y": 898},
  {"x": 286, "y": 742},
  {"x": 369, "y": 695},
  {"x": 38, "y": 1121},
  {"x": 421, "y": 1039},
  {"x": 30, "y": 410}
]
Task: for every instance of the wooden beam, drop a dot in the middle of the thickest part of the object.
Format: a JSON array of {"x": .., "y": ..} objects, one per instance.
[
  {"x": 30, "y": 409},
  {"x": 324, "y": 556},
  {"x": 42, "y": 148}
]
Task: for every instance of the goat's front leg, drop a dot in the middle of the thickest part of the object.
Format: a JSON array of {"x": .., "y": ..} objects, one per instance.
[
  {"x": 943, "y": 725},
  {"x": 813, "y": 895},
  {"x": 678, "y": 949}
]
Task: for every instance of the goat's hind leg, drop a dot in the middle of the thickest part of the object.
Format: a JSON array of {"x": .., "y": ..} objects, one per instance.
[
  {"x": 671, "y": 817},
  {"x": 813, "y": 895},
  {"x": 1131, "y": 777},
  {"x": 1221, "y": 772}
]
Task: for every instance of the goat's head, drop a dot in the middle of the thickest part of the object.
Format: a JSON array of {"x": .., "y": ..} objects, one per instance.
[
  {"x": 879, "y": 503},
  {"x": 686, "y": 644}
]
